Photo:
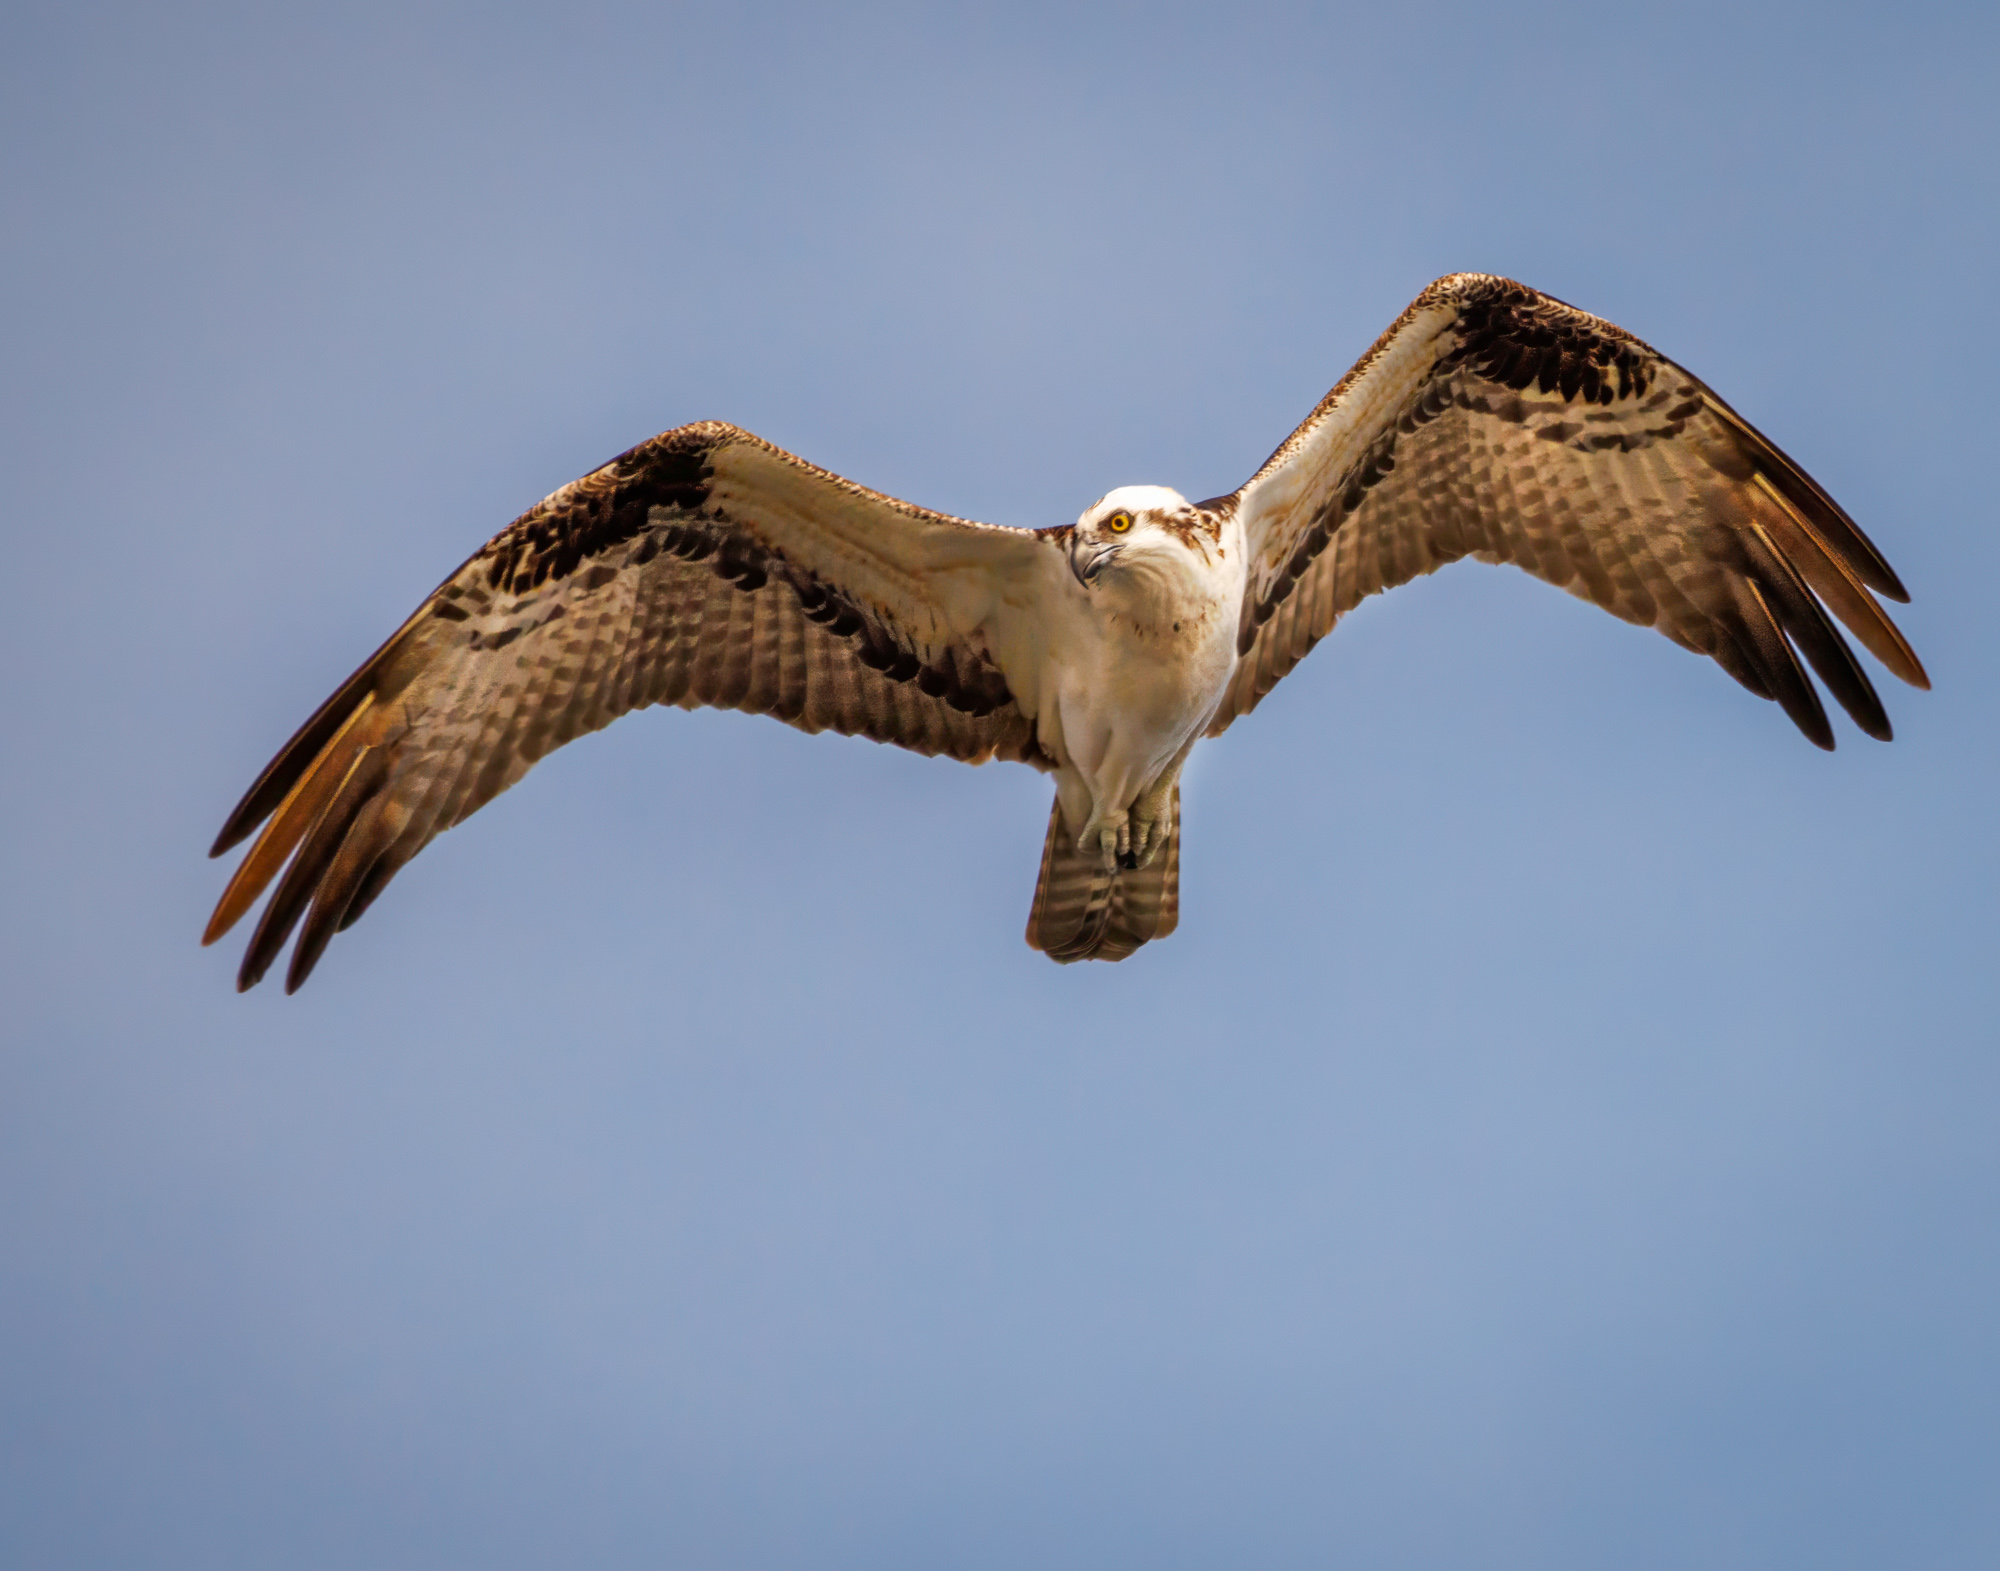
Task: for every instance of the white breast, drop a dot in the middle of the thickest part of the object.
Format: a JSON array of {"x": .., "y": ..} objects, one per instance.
[{"x": 1132, "y": 671}]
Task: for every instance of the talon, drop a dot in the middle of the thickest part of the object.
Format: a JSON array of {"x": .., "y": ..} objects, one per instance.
[{"x": 1111, "y": 841}]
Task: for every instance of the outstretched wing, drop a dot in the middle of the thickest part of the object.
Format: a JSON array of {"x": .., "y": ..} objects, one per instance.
[
  {"x": 1495, "y": 422},
  {"x": 705, "y": 567}
]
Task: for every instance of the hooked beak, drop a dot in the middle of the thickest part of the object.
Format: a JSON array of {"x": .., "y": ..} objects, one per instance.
[{"x": 1085, "y": 561}]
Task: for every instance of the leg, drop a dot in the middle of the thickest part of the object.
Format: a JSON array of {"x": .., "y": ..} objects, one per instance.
[{"x": 1152, "y": 815}]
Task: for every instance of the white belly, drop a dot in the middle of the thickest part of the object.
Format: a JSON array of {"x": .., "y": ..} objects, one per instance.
[{"x": 1122, "y": 701}]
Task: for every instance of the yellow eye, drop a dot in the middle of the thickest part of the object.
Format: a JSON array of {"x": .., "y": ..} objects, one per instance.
[{"x": 1120, "y": 522}]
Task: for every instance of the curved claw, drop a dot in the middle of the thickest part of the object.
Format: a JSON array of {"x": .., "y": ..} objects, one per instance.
[{"x": 1112, "y": 839}]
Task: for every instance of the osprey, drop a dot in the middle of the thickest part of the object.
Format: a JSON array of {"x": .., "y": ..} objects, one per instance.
[{"x": 707, "y": 567}]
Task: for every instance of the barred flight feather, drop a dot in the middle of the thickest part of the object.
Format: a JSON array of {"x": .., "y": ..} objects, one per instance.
[{"x": 1493, "y": 421}]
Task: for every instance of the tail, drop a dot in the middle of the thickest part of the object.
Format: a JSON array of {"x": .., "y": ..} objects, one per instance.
[{"x": 1084, "y": 913}]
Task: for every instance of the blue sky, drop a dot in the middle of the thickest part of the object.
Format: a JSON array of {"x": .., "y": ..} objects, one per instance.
[{"x": 1561, "y": 1132}]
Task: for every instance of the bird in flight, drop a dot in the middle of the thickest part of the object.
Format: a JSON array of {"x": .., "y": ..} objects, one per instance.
[{"x": 708, "y": 567}]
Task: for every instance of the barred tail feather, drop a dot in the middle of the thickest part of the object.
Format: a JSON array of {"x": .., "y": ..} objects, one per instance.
[{"x": 1084, "y": 913}]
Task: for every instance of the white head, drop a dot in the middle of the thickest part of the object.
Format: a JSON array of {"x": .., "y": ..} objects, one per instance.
[{"x": 1136, "y": 527}]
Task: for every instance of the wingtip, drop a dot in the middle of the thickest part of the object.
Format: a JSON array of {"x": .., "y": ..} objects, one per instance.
[
  {"x": 1813, "y": 723},
  {"x": 1891, "y": 587},
  {"x": 306, "y": 952},
  {"x": 237, "y": 828}
]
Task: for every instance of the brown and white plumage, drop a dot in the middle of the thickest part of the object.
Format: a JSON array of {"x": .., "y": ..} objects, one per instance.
[
  {"x": 707, "y": 567},
  {"x": 704, "y": 567},
  {"x": 1492, "y": 421}
]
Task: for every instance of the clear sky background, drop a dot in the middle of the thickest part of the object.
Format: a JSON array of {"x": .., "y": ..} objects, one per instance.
[{"x": 1565, "y": 1130}]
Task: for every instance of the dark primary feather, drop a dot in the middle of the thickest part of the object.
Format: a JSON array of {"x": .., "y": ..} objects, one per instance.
[
  {"x": 1494, "y": 422},
  {"x": 654, "y": 579}
]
